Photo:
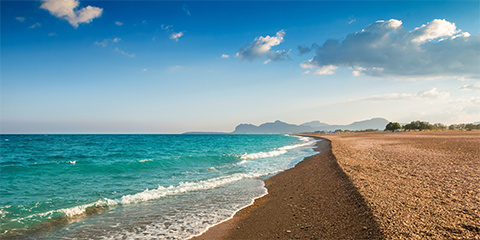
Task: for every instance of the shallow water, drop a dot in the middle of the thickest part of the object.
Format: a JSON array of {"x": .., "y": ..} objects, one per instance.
[{"x": 131, "y": 186}]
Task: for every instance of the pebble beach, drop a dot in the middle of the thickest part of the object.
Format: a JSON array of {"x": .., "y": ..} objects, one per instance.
[{"x": 405, "y": 185}]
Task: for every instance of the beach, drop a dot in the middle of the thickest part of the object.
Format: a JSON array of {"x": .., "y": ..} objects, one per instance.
[
  {"x": 418, "y": 184},
  {"x": 370, "y": 186},
  {"x": 313, "y": 200}
]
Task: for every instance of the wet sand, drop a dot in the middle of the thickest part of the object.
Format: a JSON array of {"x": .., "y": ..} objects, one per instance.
[{"x": 313, "y": 200}]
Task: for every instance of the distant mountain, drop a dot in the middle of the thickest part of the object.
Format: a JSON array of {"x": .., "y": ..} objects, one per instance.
[
  {"x": 314, "y": 124},
  {"x": 374, "y": 123},
  {"x": 282, "y": 127},
  {"x": 271, "y": 127}
]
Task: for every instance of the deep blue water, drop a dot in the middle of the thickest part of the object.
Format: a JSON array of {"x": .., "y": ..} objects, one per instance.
[{"x": 134, "y": 186}]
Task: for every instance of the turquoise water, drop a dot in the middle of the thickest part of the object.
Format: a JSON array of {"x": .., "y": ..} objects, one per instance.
[{"x": 134, "y": 186}]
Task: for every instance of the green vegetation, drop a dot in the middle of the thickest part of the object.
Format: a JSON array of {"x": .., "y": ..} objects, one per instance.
[
  {"x": 418, "y": 125},
  {"x": 422, "y": 125},
  {"x": 393, "y": 126}
]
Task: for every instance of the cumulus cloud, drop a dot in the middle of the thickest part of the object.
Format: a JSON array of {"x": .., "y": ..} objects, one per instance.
[
  {"x": 66, "y": 9},
  {"x": 21, "y": 19},
  {"x": 385, "y": 49},
  {"x": 475, "y": 86},
  {"x": 175, "y": 36},
  {"x": 427, "y": 94},
  {"x": 225, "y": 56},
  {"x": 261, "y": 48},
  {"x": 302, "y": 49},
  {"x": 119, "y": 23}
]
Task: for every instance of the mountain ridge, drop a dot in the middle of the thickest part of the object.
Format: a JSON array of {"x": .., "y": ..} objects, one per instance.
[{"x": 280, "y": 127}]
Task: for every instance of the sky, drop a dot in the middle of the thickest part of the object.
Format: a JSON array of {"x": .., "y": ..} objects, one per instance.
[{"x": 70, "y": 66}]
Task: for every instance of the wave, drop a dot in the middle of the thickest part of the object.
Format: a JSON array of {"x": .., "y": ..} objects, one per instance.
[
  {"x": 280, "y": 151},
  {"x": 145, "y": 160},
  {"x": 147, "y": 195}
]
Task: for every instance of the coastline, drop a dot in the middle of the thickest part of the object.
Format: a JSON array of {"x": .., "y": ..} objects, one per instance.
[
  {"x": 405, "y": 185},
  {"x": 314, "y": 199}
]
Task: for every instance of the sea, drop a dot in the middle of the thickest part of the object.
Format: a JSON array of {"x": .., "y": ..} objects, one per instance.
[{"x": 134, "y": 186}]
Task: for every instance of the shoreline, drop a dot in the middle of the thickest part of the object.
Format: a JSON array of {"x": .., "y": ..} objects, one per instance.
[
  {"x": 218, "y": 230},
  {"x": 314, "y": 199}
]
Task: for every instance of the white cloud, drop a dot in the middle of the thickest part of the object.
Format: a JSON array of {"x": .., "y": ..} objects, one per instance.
[
  {"x": 119, "y": 23},
  {"x": 325, "y": 70},
  {"x": 105, "y": 42},
  {"x": 21, "y": 19},
  {"x": 171, "y": 34},
  {"x": 435, "y": 29},
  {"x": 35, "y": 25},
  {"x": 185, "y": 8},
  {"x": 124, "y": 53},
  {"x": 144, "y": 70},
  {"x": 384, "y": 49},
  {"x": 154, "y": 38},
  {"x": 52, "y": 34},
  {"x": 173, "y": 68},
  {"x": 175, "y": 36},
  {"x": 431, "y": 94},
  {"x": 166, "y": 27},
  {"x": 261, "y": 48},
  {"x": 225, "y": 56},
  {"x": 352, "y": 21},
  {"x": 65, "y": 9},
  {"x": 469, "y": 101},
  {"x": 474, "y": 86}
]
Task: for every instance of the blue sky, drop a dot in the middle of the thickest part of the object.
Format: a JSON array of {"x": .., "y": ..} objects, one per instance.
[{"x": 168, "y": 66}]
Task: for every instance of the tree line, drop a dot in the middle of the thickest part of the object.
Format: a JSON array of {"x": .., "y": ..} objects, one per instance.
[{"x": 422, "y": 125}]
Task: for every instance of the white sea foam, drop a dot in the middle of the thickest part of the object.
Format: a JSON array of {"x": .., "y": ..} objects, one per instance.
[
  {"x": 3, "y": 212},
  {"x": 200, "y": 217},
  {"x": 145, "y": 160},
  {"x": 306, "y": 141},
  {"x": 263, "y": 154},
  {"x": 147, "y": 195},
  {"x": 183, "y": 187},
  {"x": 73, "y": 211}
]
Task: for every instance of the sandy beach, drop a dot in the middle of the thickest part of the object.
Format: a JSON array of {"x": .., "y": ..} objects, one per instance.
[{"x": 371, "y": 186}]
